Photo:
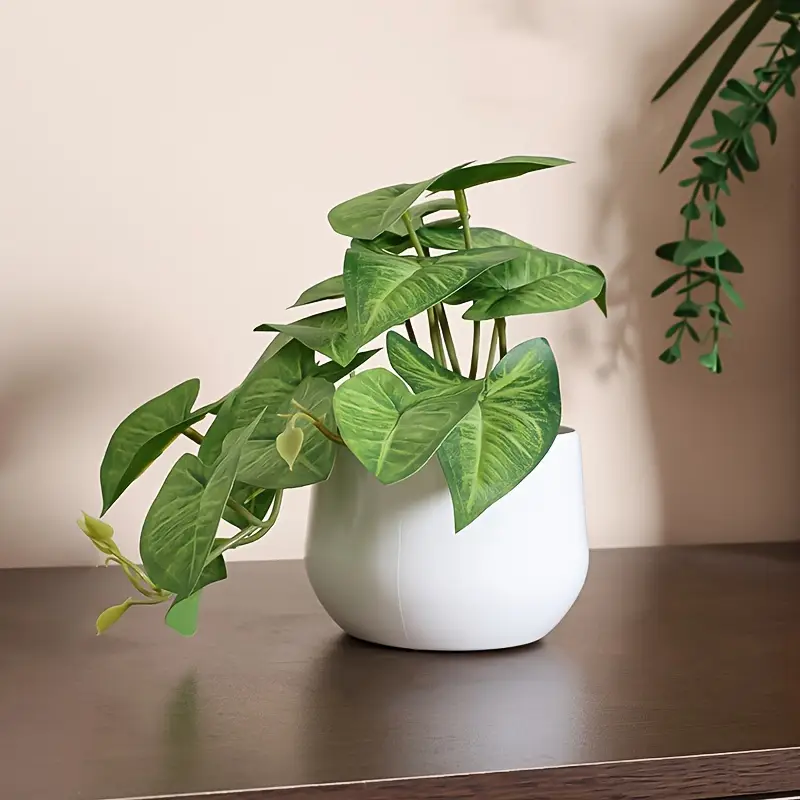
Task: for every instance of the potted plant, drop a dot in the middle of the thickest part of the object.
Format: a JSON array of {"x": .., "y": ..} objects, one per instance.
[
  {"x": 382, "y": 553},
  {"x": 703, "y": 265}
]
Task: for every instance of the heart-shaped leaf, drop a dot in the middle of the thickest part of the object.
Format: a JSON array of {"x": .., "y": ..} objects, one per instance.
[
  {"x": 393, "y": 432},
  {"x": 475, "y": 174},
  {"x": 327, "y": 333},
  {"x": 329, "y": 289},
  {"x": 145, "y": 434},
  {"x": 416, "y": 367},
  {"x": 289, "y": 443},
  {"x": 182, "y": 614},
  {"x": 383, "y": 290},
  {"x": 180, "y": 527},
  {"x": 111, "y": 615},
  {"x": 504, "y": 437},
  {"x": 535, "y": 283}
]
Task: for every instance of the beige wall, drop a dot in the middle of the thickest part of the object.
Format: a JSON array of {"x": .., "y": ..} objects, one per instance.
[{"x": 166, "y": 170}]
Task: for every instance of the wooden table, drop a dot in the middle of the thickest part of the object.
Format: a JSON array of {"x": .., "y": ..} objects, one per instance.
[{"x": 676, "y": 675}]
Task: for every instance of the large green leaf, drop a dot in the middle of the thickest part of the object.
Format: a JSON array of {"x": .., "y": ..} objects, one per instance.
[
  {"x": 418, "y": 213},
  {"x": 416, "y": 367},
  {"x": 754, "y": 24},
  {"x": 329, "y": 289},
  {"x": 261, "y": 464},
  {"x": 383, "y": 290},
  {"x": 725, "y": 20},
  {"x": 180, "y": 527},
  {"x": 327, "y": 333},
  {"x": 145, "y": 434},
  {"x": 475, "y": 174},
  {"x": 536, "y": 282},
  {"x": 333, "y": 372},
  {"x": 452, "y": 238},
  {"x": 393, "y": 432},
  {"x": 504, "y": 437}
]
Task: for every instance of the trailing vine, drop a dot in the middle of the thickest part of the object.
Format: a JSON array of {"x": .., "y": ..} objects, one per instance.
[{"x": 704, "y": 262}]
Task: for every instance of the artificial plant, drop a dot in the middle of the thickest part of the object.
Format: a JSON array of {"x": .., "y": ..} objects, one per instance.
[
  {"x": 489, "y": 423},
  {"x": 702, "y": 262}
]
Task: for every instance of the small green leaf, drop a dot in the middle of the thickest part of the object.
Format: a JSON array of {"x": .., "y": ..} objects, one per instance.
[
  {"x": 746, "y": 161},
  {"x": 667, "y": 251},
  {"x": 182, "y": 614},
  {"x": 690, "y": 251},
  {"x": 703, "y": 144},
  {"x": 736, "y": 170},
  {"x": 725, "y": 126},
  {"x": 289, "y": 443},
  {"x": 711, "y": 361},
  {"x": 766, "y": 118},
  {"x": 111, "y": 615},
  {"x": 470, "y": 175},
  {"x": 393, "y": 432},
  {"x": 690, "y": 211},
  {"x": 326, "y": 333},
  {"x": 333, "y": 372},
  {"x": 721, "y": 159},
  {"x": 329, "y": 289},
  {"x": 727, "y": 287},
  {"x": 693, "y": 333},
  {"x": 672, "y": 354},
  {"x": 717, "y": 217},
  {"x": 723, "y": 185},
  {"x": 667, "y": 284},
  {"x": 717, "y": 312},
  {"x": 674, "y": 328},
  {"x": 727, "y": 262},
  {"x": 688, "y": 182},
  {"x": 96, "y": 529},
  {"x": 788, "y": 85},
  {"x": 688, "y": 309},
  {"x": 745, "y": 89}
]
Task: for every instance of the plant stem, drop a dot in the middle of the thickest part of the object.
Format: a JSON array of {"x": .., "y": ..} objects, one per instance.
[
  {"x": 463, "y": 213},
  {"x": 195, "y": 436},
  {"x": 412, "y": 337},
  {"x": 252, "y": 533},
  {"x": 433, "y": 325},
  {"x": 492, "y": 349},
  {"x": 500, "y": 324},
  {"x": 318, "y": 424},
  {"x": 252, "y": 519}
]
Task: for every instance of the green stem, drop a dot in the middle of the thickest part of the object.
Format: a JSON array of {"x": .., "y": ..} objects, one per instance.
[
  {"x": 195, "y": 436},
  {"x": 492, "y": 349},
  {"x": 317, "y": 423},
  {"x": 463, "y": 213},
  {"x": 247, "y": 515},
  {"x": 250, "y": 534},
  {"x": 501, "y": 335},
  {"x": 433, "y": 325}
]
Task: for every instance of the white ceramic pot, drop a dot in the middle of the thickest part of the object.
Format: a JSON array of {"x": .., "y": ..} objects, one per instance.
[{"x": 387, "y": 565}]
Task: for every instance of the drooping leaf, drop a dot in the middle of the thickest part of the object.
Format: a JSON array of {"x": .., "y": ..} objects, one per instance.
[
  {"x": 144, "y": 435},
  {"x": 289, "y": 443},
  {"x": 534, "y": 283},
  {"x": 755, "y": 23},
  {"x": 327, "y": 333},
  {"x": 690, "y": 251},
  {"x": 470, "y": 175},
  {"x": 329, "y": 289},
  {"x": 667, "y": 284},
  {"x": 711, "y": 361},
  {"x": 672, "y": 354},
  {"x": 182, "y": 522},
  {"x": 690, "y": 211},
  {"x": 766, "y": 118},
  {"x": 725, "y": 126},
  {"x": 393, "y": 432},
  {"x": 261, "y": 464},
  {"x": 182, "y": 614},
  {"x": 333, "y": 372},
  {"x": 726, "y": 19},
  {"x": 504, "y": 437},
  {"x": 418, "y": 212},
  {"x": 727, "y": 287},
  {"x": 384, "y": 290},
  {"x": 701, "y": 144},
  {"x": 111, "y": 615}
]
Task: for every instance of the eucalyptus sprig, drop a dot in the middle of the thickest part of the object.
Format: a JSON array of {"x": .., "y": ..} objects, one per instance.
[
  {"x": 704, "y": 262},
  {"x": 283, "y": 426}
]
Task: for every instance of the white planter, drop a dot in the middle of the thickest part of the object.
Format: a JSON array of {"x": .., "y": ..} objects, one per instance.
[{"x": 388, "y": 567}]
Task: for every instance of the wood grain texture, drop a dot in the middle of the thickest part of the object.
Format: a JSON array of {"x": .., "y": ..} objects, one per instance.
[{"x": 675, "y": 676}]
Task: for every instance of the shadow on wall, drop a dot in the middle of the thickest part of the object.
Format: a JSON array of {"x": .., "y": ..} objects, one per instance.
[{"x": 727, "y": 446}]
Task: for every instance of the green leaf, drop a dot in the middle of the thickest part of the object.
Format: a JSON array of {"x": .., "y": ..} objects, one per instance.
[
  {"x": 727, "y": 287},
  {"x": 329, "y": 289},
  {"x": 536, "y": 282},
  {"x": 726, "y": 19},
  {"x": 690, "y": 251},
  {"x": 97, "y": 530},
  {"x": 470, "y": 175},
  {"x": 450, "y": 238},
  {"x": 180, "y": 527},
  {"x": 333, "y": 372},
  {"x": 728, "y": 262},
  {"x": 755, "y": 23},
  {"x": 667, "y": 251},
  {"x": 672, "y": 354},
  {"x": 144, "y": 435},
  {"x": 370, "y": 214},
  {"x": 703, "y": 144},
  {"x": 674, "y": 328},
  {"x": 327, "y": 332},
  {"x": 736, "y": 170},
  {"x": 688, "y": 309},
  {"x": 693, "y": 333},
  {"x": 182, "y": 614},
  {"x": 749, "y": 144},
  {"x": 255, "y": 499},
  {"x": 717, "y": 217},
  {"x": 387, "y": 242},
  {"x": 667, "y": 284},
  {"x": 711, "y": 361},
  {"x": 261, "y": 464},
  {"x": 384, "y": 290},
  {"x": 687, "y": 182},
  {"x": 289, "y": 443},
  {"x": 393, "y": 432},
  {"x": 745, "y": 160},
  {"x": 747, "y": 91},
  {"x": 505, "y": 436},
  {"x": 420, "y": 211},
  {"x": 788, "y": 85},
  {"x": 725, "y": 126},
  {"x": 690, "y": 211},
  {"x": 718, "y": 313},
  {"x": 111, "y": 615},
  {"x": 766, "y": 118}
]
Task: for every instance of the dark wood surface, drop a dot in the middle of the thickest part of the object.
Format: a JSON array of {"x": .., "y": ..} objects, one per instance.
[{"x": 676, "y": 675}]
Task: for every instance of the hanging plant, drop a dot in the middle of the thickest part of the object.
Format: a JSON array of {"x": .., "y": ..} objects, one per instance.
[{"x": 703, "y": 265}]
